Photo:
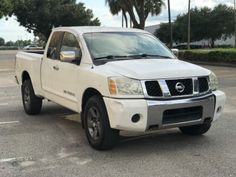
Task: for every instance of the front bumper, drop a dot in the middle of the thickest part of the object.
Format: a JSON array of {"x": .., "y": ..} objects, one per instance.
[{"x": 152, "y": 112}]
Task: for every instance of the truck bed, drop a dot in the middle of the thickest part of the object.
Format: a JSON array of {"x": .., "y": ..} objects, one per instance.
[
  {"x": 34, "y": 51},
  {"x": 29, "y": 62}
]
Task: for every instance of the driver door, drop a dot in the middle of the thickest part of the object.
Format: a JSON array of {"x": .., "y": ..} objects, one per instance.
[{"x": 65, "y": 74}]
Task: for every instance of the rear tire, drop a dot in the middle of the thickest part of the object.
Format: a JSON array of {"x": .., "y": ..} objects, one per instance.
[
  {"x": 97, "y": 127},
  {"x": 196, "y": 130},
  {"x": 32, "y": 104}
]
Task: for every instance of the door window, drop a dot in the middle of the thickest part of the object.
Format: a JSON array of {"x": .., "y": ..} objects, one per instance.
[
  {"x": 70, "y": 43},
  {"x": 54, "y": 46}
]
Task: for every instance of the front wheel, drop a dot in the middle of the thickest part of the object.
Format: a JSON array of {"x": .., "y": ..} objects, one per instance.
[
  {"x": 196, "y": 129},
  {"x": 32, "y": 103},
  {"x": 96, "y": 123}
]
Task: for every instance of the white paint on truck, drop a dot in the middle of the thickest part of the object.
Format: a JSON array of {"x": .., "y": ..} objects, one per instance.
[{"x": 181, "y": 84}]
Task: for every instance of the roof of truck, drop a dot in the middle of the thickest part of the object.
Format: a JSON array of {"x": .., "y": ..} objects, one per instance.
[{"x": 94, "y": 29}]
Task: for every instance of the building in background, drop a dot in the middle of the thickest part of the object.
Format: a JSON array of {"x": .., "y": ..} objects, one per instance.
[{"x": 152, "y": 29}]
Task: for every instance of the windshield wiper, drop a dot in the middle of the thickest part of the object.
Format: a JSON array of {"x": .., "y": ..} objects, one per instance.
[
  {"x": 117, "y": 57},
  {"x": 144, "y": 55},
  {"x": 109, "y": 57}
]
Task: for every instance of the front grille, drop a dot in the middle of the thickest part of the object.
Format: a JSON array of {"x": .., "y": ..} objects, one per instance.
[
  {"x": 182, "y": 115},
  {"x": 177, "y": 88},
  {"x": 153, "y": 88},
  {"x": 186, "y": 83},
  {"x": 203, "y": 84}
]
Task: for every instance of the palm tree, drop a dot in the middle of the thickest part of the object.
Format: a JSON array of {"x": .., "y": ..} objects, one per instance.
[
  {"x": 116, "y": 6},
  {"x": 143, "y": 8}
]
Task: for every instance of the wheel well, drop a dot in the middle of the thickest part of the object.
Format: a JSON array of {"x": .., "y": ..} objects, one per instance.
[
  {"x": 87, "y": 94},
  {"x": 25, "y": 76}
]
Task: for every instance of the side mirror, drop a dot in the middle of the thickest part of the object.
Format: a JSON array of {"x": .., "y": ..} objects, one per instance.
[
  {"x": 175, "y": 52},
  {"x": 67, "y": 56}
]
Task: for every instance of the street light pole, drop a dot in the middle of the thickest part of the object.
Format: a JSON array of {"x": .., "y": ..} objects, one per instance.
[
  {"x": 234, "y": 24},
  {"x": 170, "y": 25},
  {"x": 122, "y": 19},
  {"x": 189, "y": 25}
]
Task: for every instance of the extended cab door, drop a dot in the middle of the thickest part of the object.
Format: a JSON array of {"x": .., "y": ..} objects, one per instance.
[
  {"x": 49, "y": 69},
  {"x": 64, "y": 75}
]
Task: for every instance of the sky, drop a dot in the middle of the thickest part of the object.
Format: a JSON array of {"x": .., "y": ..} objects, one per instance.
[{"x": 11, "y": 30}]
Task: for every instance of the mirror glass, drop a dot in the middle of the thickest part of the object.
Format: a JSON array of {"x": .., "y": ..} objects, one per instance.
[
  {"x": 67, "y": 56},
  {"x": 175, "y": 52}
]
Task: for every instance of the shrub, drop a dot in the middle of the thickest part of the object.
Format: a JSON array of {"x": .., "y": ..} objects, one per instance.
[
  {"x": 8, "y": 48},
  {"x": 213, "y": 56}
]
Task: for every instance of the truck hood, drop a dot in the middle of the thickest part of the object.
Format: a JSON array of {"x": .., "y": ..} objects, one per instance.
[{"x": 155, "y": 69}]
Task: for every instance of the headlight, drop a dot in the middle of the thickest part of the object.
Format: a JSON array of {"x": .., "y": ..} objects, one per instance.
[
  {"x": 124, "y": 86},
  {"x": 213, "y": 82}
]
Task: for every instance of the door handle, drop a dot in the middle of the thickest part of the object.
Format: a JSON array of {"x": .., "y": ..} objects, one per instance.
[{"x": 56, "y": 68}]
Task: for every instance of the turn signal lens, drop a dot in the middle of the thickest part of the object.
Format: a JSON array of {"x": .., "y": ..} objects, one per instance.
[
  {"x": 112, "y": 87},
  {"x": 213, "y": 82}
]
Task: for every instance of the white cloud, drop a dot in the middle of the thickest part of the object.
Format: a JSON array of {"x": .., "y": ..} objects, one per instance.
[
  {"x": 101, "y": 11},
  {"x": 10, "y": 30},
  {"x": 202, "y": 3},
  {"x": 178, "y": 5},
  {"x": 181, "y": 6}
]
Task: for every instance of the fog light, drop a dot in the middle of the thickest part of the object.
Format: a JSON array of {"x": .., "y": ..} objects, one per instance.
[{"x": 135, "y": 118}]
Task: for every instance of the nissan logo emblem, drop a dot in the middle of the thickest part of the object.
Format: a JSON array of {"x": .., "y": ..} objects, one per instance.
[{"x": 179, "y": 87}]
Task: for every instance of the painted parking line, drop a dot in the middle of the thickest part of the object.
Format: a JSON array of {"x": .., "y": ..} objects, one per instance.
[
  {"x": 4, "y": 104},
  {"x": 9, "y": 85},
  {"x": 7, "y": 160},
  {"x": 3, "y": 99},
  {"x": 6, "y": 69},
  {"x": 10, "y": 122}
]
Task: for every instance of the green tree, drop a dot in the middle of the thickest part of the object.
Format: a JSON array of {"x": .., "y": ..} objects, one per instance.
[
  {"x": 22, "y": 43},
  {"x": 116, "y": 7},
  {"x": 221, "y": 23},
  {"x": 163, "y": 33},
  {"x": 2, "y": 41},
  {"x": 199, "y": 28},
  {"x": 9, "y": 44},
  {"x": 5, "y": 8},
  {"x": 143, "y": 8},
  {"x": 40, "y": 16},
  {"x": 206, "y": 23}
]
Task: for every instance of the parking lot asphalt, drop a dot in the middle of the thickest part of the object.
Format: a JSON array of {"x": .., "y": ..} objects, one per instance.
[{"x": 53, "y": 145}]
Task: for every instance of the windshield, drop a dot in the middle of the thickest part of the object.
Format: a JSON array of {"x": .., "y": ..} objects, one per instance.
[{"x": 125, "y": 45}]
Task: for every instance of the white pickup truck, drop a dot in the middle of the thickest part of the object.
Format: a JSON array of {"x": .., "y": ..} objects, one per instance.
[{"x": 118, "y": 79}]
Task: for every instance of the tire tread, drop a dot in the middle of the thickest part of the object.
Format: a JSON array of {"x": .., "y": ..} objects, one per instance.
[
  {"x": 110, "y": 135},
  {"x": 36, "y": 102}
]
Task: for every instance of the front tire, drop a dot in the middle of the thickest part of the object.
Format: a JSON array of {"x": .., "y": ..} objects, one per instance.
[
  {"x": 97, "y": 127},
  {"x": 196, "y": 130},
  {"x": 32, "y": 104}
]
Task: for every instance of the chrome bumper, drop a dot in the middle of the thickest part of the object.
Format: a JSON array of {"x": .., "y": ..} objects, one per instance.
[{"x": 156, "y": 111}]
